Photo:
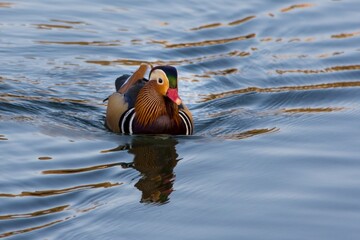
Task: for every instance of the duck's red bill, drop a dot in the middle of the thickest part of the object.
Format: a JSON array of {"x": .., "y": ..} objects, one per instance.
[{"x": 172, "y": 93}]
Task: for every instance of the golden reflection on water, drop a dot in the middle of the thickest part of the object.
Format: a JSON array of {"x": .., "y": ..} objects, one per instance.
[
  {"x": 161, "y": 23},
  {"x": 80, "y": 170},
  {"x": 69, "y": 22},
  {"x": 297, "y": 6},
  {"x": 136, "y": 41},
  {"x": 211, "y": 25},
  {"x": 345, "y": 35},
  {"x": 312, "y": 110},
  {"x": 44, "y": 212},
  {"x": 132, "y": 62},
  {"x": 2, "y": 137},
  {"x": 35, "y": 214},
  {"x": 249, "y": 133},
  {"x": 166, "y": 44},
  {"x": 6, "y": 5},
  {"x": 84, "y": 43},
  {"x": 213, "y": 96},
  {"x": 7, "y": 97},
  {"x": 223, "y": 72},
  {"x": 241, "y": 135},
  {"x": 326, "y": 55},
  {"x": 267, "y": 39},
  {"x": 45, "y": 193},
  {"x": 316, "y": 71},
  {"x": 241, "y": 21},
  {"x": 294, "y": 56},
  {"x": 299, "y": 39},
  {"x": 215, "y": 25},
  {"x": 26, "y": 230},
  {"x": 40, "y": 213},
  {"x": 51, "y": 26},
  {"x": 45, "y": 158},
  {"x": 126, "y": 62}
]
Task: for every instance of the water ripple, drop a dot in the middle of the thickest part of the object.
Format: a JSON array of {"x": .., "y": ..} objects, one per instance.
[
  {"x": 52, "y": 26},
  {"x": 3, "y": 138},
  {"x": 210, "y": 25},
  {"x": 345, "y": 35},
  {"x": 69, "y": 22},
  {"x": 248, "y": 133},
  {"x": 241, "y": 21},
  {"x": 313, "y": 110},
  {"x": 26, "y": 230},
  {"x": 204, "y": 43},
  {"x": 213, "y": 96},
  {"x": 84, "y": 43},
  {"x": 297, "y": 6},
  {"x": 196, "y": 60},
  {"x": 80, "y": 170},
  {"x": 215, "y": 25},
  {"x": 317, "y": 71},
  {"x": 46, "y": 193},
  {"x": 35, "y": 214},
  {"x": 6, "y": 4},
  {"x": 224, "y": 72}
]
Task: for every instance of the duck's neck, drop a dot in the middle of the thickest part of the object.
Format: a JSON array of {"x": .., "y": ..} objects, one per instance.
[{"x": 172, "y": 110}]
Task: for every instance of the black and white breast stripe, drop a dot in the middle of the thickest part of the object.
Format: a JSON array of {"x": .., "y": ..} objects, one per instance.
[
  {"x": 126, "y": 120},
  {"x": 185, "y": 118}
]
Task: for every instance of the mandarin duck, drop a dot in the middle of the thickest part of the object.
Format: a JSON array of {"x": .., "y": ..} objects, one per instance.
[{"x": 148, "y": 106}]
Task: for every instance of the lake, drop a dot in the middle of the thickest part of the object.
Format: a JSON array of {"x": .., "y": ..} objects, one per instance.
[{"x": 274, "y": 88}]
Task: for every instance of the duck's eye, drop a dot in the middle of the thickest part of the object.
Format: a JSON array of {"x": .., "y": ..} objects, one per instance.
[{"x": 160, "y": 81}]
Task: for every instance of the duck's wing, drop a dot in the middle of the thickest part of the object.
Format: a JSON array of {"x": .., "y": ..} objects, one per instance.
[
  {"x": 127, "y": 89},
  {"x": 132, "y": 93},
  {"x": 120, "y": 81}
]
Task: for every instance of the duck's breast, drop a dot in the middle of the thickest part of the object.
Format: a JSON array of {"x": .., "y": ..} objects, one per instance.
[{"x": 162, "y": 125}]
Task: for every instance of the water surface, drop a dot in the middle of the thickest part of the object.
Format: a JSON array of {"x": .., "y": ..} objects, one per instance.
[{"x": 274, "y": 89}]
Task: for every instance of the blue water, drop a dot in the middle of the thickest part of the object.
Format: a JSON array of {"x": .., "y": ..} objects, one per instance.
[{"x": 273, "y": 87}]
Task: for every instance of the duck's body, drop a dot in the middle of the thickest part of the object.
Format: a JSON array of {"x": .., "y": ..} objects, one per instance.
[{"x": 141, "y": 106}]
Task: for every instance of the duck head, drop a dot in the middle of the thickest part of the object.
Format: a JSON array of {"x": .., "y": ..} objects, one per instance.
[{"x": 166, "y": 82}]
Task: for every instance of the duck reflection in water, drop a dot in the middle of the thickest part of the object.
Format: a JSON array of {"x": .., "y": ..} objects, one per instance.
[{"x": 155, "y": 158}]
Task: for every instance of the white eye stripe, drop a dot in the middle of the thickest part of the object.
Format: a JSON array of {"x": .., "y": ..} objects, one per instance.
[{"x": 158, "y": 74}]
